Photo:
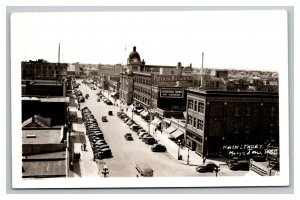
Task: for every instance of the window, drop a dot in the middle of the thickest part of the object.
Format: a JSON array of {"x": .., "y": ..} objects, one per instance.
[
  {"x": 236, "y": 111},
  {"x": 195, "y": 122},
  {"x": 248, "y": 110},
  {"x": 201, "y": 107},
  {"x": 200, "y": 125},
  {"x": 190, "y": 103},
  {"x": 272, "y": 111},
  {"x": 195, "y": 106},
  {"x": 190, "y": 120}
]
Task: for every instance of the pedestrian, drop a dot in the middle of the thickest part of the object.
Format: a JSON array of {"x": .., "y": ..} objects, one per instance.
[
  {"x": 126, "y": 109},
  {"x": 84, "y": 146}
]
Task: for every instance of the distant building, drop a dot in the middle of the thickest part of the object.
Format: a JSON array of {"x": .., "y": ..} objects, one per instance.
[
  {"x": 43, "y": 70},
  {"x": 114, "y": 86},
  {"x": 230, "y": 123},
  {"x": 44, "y": 88}
]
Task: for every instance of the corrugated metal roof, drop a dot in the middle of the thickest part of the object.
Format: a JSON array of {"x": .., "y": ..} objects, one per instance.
[{"x": 44, "y": 168}]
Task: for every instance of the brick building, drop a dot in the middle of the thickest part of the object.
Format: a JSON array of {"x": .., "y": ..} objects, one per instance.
[
  {"x": 43, "y": 69},
  {"x": 230, "y": 123}
]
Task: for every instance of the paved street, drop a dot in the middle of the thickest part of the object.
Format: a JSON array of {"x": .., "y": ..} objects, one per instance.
[{"x": 127, "y": 153}]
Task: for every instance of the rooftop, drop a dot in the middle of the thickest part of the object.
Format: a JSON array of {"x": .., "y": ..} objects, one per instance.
[
  {"x": 44, "y": 168},
  {"x": 42, "y": 136},
  {"x": 46, "y": 99},
  {"x": 231, "y": 92}
]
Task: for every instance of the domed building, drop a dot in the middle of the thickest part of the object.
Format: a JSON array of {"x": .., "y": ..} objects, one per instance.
[
  {"x": 126, "y": 79},
  {"x": 134, "y": 57}
]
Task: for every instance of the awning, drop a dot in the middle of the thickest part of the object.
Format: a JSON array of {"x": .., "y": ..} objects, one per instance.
[
  {"x": 144, "y": 114},
  {"x": 156, "y": 121},
  {"x": 170, "y": 130},
  {"x": 176, "y": 134}
]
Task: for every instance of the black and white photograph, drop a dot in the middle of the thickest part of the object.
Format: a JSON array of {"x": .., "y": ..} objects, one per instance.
[{"x": 149, "y": 99}]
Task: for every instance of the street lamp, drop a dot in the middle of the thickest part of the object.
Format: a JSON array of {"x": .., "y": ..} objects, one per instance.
[
  {"x": 179, "y": 143},
  {"x": 132, "y": 114},
  {"x": 105, "y": 171}
]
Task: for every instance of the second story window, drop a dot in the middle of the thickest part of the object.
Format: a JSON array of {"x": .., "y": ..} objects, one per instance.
[
  {"x": 201, "y": 107},
  {"x": 190, "y": 103}
]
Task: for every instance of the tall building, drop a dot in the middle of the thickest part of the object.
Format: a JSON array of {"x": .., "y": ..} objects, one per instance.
[{"x": 222, "y": 123}]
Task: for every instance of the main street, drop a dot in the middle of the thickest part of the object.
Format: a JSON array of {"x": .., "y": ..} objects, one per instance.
[{"x": 127, "y": 153}]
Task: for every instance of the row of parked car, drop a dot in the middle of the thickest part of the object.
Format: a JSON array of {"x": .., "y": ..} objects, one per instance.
[
  {"x": 104, "y": 99},
  {"x": 142, "y": 134},
  {"x": 99, "y": 146},
  {"x": 79, "y": 96}
]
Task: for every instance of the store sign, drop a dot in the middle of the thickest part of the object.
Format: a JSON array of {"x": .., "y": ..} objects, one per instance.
[
  {"x": 172, "y": 78},
  {"x": 171, "y": 93}
]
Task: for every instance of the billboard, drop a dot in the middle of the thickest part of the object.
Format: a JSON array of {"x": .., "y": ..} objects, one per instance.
[{"x": 171, "y": 93}]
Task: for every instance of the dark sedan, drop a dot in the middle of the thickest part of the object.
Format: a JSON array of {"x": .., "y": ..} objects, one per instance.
[
  {"x": 158, "y": 148},
  {"x": 208, "y": 167},
  {"x": 128, "y": 136}
]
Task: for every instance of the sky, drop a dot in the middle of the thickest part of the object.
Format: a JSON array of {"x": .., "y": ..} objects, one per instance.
[{"x": 229, "y": 39}]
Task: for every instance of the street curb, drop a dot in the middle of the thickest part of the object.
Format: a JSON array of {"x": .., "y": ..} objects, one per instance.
[{"x": 184, "y": 163}]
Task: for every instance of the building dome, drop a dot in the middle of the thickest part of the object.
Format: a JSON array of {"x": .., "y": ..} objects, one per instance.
[{"x": 134, "y": 54}]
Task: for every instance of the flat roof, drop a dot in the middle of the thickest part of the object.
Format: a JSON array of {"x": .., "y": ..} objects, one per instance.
[
  {"x": 220, "y": 92},
  {"x": 46, "y": 99},
  {"x": 44, "y": 168},
  {"x": 42, "y": 136},
  {"x": 59, "y": 155}
]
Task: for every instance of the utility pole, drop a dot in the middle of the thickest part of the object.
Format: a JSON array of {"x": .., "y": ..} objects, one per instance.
[
  {"x": 58, "y": 53},
  {"x": 202, "y": 70},
  {"x": 150, "y": 103}
]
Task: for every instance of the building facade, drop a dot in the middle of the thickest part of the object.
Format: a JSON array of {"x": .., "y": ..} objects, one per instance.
[
  {"x": 143, "y": 84},
  {"x": 231, "y": 123},
  {"x": 43, "y": 69}
]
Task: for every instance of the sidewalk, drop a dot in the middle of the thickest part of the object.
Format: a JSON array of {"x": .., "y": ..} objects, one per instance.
[
  {"x": 188, "y": 157},
  {"x": 85, "y": 167}
]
